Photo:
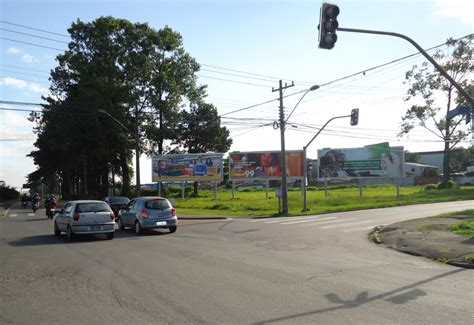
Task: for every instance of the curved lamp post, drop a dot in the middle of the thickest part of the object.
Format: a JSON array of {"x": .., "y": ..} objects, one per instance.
[
  {"x": 284, "y": 185},
  {"x": 354, "y": 121}
]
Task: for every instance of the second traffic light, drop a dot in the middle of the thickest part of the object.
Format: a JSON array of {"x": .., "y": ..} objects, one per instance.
[
  {"x": 355, "y": 116},
  {"x": 328, "y": 25}
]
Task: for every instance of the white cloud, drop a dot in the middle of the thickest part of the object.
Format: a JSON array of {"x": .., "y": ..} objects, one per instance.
[
  {"x": 26, "y": 57},
  {"x": 14, "y": 50},
  {"x": 18, "y": 83},
  {"x": 461, "y": 9},
  {"x": 29, "y": 58}
]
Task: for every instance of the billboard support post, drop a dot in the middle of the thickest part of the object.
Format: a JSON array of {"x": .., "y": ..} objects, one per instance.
[
  {"x": 267, "y": 185},
  {"x": 233, "y": 190},
  {"x": 360, "y": 187},
  {"x": 182, "y": 190}
]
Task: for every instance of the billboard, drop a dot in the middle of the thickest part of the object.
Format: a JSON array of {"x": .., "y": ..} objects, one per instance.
[
  {"x": 377, "y": 160},
  {"x": 264, "y": 165},
  {"x": 187, "y": 167}
]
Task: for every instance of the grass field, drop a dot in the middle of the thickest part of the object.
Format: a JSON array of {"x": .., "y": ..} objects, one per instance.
[{"x": 255, "y": 203}]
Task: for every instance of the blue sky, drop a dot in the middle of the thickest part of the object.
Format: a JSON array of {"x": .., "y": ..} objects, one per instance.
[{"x": 270, "y": 39}]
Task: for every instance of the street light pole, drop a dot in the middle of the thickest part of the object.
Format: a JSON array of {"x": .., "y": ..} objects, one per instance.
[
  {"x": 282, "y": 124},
  {"x": 136, "y": 137},
  {"x": 305, "y": 171}
]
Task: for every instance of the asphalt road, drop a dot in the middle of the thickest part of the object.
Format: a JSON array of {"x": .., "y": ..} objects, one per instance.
[{"x": 318, "y": 270}]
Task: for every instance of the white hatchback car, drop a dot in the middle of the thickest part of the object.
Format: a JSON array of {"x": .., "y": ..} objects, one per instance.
[{"x": 84, "y": 217}]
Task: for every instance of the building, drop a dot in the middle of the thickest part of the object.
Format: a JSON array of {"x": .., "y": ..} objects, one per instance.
[
  {"x": 416, "y": 170},
  {"x": 433, "y": 158}
]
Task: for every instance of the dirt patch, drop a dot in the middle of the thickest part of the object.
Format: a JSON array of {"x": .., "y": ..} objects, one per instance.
[{"x": 429, "y": 237}]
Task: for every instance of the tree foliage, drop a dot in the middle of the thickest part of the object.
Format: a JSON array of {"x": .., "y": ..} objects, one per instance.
[
  {"x": 433, "y": 96},
  {"x": 142, "y": 79}
]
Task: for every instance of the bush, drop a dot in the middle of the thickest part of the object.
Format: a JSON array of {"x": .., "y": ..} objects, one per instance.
[
  {"x": 430, "y": 187},
  {"x": 8, "y": 193},
  {"x": 450, "y": 185}
]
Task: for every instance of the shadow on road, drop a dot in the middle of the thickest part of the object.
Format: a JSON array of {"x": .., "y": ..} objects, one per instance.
[
  {"x": 397, "y": 296},
  {"x": 41, "y": 240}
]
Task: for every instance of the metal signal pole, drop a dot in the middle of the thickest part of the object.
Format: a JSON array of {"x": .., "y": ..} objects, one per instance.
[{"x": 284, "y": 189}]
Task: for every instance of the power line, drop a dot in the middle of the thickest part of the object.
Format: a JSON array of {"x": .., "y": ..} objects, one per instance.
[
  {"x": 33, "y": 28},
  {"x": 19, "y": 103},
  {"x": 32, "y": 44},
  {"x": 31, "y": 35}
]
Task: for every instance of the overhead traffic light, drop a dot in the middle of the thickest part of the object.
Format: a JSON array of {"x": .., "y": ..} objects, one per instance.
[
  {"x": 328, "y": 25},
  {"x": 355, "y": 116}
]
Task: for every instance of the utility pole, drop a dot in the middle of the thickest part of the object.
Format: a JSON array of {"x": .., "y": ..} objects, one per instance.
[{"x": 284, "y": 190}]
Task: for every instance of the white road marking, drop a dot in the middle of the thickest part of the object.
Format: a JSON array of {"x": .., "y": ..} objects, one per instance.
[
  {"x": 347, "y": 224},
  {"x": 325, "y": 222},
  {"x": 358, "y": 229},
  {"x": 293, "y": 219},
  {"x": 31, "y": 214},
  {"x": 13, "y": 215},
  {"x": 310, "y": 220}
]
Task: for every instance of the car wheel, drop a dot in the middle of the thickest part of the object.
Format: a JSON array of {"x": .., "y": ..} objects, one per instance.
[
  {"x": 120, "y": 224},
  {"x": 69, "y": 233},
  {"x": 138, "y": 228},
  {"x": 172, "y": 229},
  {"x": 110, "y": 235},
  {"x": 57, "y": 232}
]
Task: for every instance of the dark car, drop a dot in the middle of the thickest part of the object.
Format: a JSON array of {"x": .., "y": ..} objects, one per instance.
[{"x": 116, "y": 203}]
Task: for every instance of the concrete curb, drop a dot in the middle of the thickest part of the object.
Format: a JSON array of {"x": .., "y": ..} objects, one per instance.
[{"x": 203, "y": 218}]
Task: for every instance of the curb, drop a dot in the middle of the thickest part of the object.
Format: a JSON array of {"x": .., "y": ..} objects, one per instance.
[{"x": 204, "y": 218}]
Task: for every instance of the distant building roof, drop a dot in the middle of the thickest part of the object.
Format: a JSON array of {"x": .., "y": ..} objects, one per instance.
[{"x": 419, "y": 165}]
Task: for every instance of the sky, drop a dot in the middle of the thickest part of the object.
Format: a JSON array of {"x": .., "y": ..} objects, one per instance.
[{"x": 245, "y": 47}]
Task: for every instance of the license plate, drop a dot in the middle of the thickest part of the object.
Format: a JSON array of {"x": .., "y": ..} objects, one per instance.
[
  {"x": 161, "y": 223},
  {"x": 95, "y": 228}
]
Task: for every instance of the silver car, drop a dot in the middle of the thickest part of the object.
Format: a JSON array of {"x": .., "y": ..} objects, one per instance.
[
  {"x": 147, "y": 213},
  {"x": 85, "y": 217}
]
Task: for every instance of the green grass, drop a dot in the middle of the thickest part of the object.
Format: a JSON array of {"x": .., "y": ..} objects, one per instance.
[
  {"x": 465, "y": 228},
  {"x": 469, "y": 258},
  {"x": 254, "y": 203},
  {"x": 426, "y": 228}
]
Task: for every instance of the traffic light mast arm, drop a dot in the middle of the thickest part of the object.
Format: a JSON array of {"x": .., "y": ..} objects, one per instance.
[
  {"x": 469, "y": 98},
  {"x": 322, "y": 128}
]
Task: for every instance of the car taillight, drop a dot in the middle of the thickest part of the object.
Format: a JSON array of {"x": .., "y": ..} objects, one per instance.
[
  {"x": 173, "y": 211},
  {"x": 144, "y": 214},
  {"x": 112, "y": 215},
  {"x": 76, "y": 216}
]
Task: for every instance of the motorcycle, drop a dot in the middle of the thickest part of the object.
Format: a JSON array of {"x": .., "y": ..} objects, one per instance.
[
  {"x": 50, "y": 208},
  {"x": 35, "y": 206}
]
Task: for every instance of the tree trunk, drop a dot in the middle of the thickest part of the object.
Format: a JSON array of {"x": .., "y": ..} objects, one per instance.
[{"x": 125, "y": 176}]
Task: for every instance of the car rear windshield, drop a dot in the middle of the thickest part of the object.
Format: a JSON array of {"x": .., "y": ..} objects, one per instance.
[
  {"x": 118, "y": 200},
  {"x": 92, "y": 207},
  {"x": 157, "y": 204}
]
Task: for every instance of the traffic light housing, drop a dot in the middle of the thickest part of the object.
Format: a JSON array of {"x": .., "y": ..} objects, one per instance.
[
  {"x": 355, "y": 116},
  {"x": 328, "y": 25}
]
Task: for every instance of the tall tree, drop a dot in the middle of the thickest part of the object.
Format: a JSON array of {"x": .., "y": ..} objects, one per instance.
[
  {"x": 435, "y": 97},
  {"x": 141, "y": 77},
  {"x": 200, "y": 130}
]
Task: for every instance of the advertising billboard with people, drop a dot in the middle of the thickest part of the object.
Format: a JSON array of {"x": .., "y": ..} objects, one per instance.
[
  {"x": 187, "y": 167},
  {"x": 376, "y": 160},
  {"x": 264, "y": 165}
]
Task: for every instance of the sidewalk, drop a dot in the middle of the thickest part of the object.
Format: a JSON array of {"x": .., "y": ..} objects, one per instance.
[{"x": 428, "y": 237}]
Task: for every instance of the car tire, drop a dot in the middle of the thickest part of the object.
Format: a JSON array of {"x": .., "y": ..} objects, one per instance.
[
  {"x": 69, "y": 233},
  {"x": 120, "y": 224},
  {"x": 57, "y": 232},
  {"x": 138, "y": 228},
  {"x": 172, "y": 229},
  {"x": 110, "y": 235}
]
